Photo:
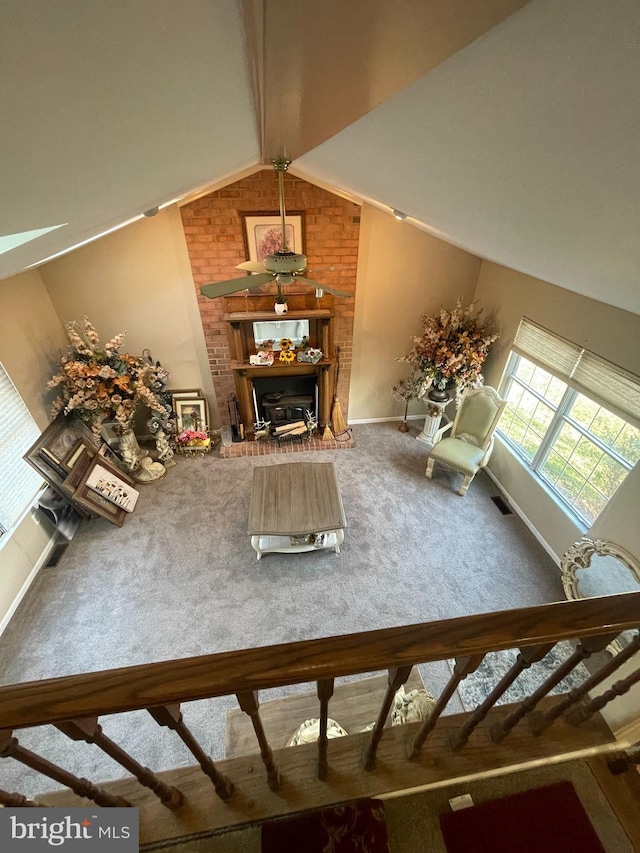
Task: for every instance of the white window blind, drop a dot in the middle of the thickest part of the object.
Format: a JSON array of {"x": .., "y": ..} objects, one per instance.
[
  {"x": 616, "y": 389},
  {"x": 18, "y": 481}
]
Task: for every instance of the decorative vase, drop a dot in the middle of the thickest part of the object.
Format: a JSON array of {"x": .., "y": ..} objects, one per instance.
[
  {"x": 438, "y": 395},
  {"x": 281, "y": 307}
]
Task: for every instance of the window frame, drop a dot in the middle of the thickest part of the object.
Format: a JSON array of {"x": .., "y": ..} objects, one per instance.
[
  {"x": 560, "y": 417},
  {"x": 10, "y": 517}
]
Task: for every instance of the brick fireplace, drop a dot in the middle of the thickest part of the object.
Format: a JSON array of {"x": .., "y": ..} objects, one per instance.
[{"x": 213, "y": 226}]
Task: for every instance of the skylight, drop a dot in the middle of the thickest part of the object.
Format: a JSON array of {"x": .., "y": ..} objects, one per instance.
[{"x": 12, "y": 241}]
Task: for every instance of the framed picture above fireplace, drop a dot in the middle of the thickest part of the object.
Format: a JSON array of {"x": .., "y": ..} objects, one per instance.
[{"x": 263, "y": 233}]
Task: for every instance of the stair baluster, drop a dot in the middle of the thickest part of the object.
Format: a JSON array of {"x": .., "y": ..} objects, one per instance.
[
  {"x": 10, "y": 748},
  {"x": 90, "y": 731},
  {"x": 171, "y": 716},
  {"x": 325, "y": 692},
  {"x": 249, "y": 703},
  {"x": 17, "y": 801},
  {"x": 584, "y": 650},
  {"x": 527, "y": 656},
  {"x": 589, "y": 706},
  {"x": 539, "y": 721},
  {"x": 463, "y": 667},
  {"x": 397, "y": 677}
]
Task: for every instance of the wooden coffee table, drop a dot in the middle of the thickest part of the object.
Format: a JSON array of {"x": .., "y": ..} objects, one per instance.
[{"x": 296, "y": 507}]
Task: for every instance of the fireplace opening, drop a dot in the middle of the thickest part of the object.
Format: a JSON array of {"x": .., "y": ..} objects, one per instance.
[{"x": 285, "y": 399}]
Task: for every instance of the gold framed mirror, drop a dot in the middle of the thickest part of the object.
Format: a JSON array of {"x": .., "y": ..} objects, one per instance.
[{"x": 594, "y": 567}]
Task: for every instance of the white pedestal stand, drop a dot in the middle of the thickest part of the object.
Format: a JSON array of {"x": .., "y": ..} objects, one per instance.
[{"x": 435, "y": 411}]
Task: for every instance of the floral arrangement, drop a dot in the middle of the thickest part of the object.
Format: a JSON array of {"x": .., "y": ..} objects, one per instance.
[
  {"x": 450, "y": 352},
  {"x": 100, "y": 382},
  {"x": 310, "y": 354},
  {"x": 287, "y": 356},
  {"x": 191, "y": 437}
]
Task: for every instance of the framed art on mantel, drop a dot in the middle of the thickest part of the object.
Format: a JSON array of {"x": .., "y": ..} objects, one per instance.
[{"x": 263, "y": 234}]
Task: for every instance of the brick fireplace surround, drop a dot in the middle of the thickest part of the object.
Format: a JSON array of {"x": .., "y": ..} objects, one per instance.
[{"x": 213, "y": 227}]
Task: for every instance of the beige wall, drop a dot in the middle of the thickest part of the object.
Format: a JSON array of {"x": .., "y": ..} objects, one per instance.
[
  {"x": 30, "y": 332},
  {"x": 138, "y": 280},
  {"x": 610, "y": 332},
  {"x": 30, "y": 335},
  {"x": 402, "y": 273},
  {"x": 21, "y": 557}
]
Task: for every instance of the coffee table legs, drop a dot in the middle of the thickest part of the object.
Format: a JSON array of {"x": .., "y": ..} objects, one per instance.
[{"x": 284, "y": 545}]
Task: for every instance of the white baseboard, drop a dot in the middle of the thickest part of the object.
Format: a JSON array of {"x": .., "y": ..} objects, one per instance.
[
  {"x": 42, "y": 561},
  {"x": 523, "y": 517},
  {"x": 385, "y": 420}
]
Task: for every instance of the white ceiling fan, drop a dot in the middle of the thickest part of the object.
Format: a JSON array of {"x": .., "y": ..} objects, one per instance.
[{"x": 282, "y": 267}]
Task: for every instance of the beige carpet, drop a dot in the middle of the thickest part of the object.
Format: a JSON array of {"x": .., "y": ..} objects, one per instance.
[{"x": 180, "y": 579}]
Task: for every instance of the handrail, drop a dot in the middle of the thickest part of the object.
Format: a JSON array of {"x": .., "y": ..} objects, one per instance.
[{"x": 182, "y": 680}]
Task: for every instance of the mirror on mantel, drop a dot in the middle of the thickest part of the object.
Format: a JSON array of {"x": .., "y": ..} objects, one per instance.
[{"x": 593, "y": 567}]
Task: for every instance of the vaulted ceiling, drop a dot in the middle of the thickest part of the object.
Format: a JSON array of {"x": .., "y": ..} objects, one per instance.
[{"x": 507, "y": 127}]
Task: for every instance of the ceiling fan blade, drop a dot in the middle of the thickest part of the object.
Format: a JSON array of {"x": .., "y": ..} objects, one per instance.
[
  {"x": 233, "y": 285},
  {"x": 326, "y": 287},
  {"x": 251, "y": 266}
]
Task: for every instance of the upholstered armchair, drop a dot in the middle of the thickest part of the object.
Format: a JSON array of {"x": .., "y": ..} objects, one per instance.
[{"x": 469, "y": 446}]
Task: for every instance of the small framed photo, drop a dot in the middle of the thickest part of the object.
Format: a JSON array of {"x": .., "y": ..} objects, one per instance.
[
  {"x": 112, "y": 485},
  {"x": 107, "y": 453},
  {"x": 49, "y": 452},
  {"x": 78, "y": 472},
  {"x": 76, "y": 452},
  {"x": 95, "y": 501},
  {"x": 109, "y": 433},
  {"x": 99, "y": 505},
  {"x": 263, "y": 234},
  {"x": 186, "y": 392},
  {"x": 192, "y": 413}
]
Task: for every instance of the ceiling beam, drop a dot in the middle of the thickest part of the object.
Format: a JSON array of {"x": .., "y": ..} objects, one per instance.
[{"x": 326, "y": 64}]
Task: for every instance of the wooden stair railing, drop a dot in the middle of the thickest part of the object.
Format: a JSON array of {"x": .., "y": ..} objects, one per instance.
[{"x": 74, "y": 704}]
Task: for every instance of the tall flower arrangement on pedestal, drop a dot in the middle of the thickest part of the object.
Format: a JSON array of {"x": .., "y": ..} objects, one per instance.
[
  {"x": 98, "y": 382},
  {"x": 449, "y": 353}
]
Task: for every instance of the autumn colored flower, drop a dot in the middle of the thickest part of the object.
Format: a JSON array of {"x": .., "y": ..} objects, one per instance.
[
  {"x": 450, "y": 351},
  {"x": 100, "y": 383}
]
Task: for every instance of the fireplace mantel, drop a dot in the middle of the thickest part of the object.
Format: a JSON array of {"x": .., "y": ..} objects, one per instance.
[
  {"x": 242, "y": 345},
  {"x": 253, "y": 316}
]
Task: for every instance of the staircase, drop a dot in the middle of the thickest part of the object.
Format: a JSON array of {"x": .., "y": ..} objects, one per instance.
[{"x": 194, "y": 801}]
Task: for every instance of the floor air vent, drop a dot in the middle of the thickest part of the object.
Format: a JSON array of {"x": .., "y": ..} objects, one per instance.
[{"x": 502, "y": 505}]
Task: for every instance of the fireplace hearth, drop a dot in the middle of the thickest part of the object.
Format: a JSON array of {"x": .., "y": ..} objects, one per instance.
[{"x": 311, "y": 385}]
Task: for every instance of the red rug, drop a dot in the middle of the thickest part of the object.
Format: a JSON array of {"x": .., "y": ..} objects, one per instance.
[
  {"x": 544, "y": 820},
  {"x": 353, "y": 828}
]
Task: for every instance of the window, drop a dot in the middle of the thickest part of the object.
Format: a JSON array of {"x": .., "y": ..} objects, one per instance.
[
  {"x": 572, "y": 417},
  {"x": 18, "y": 481}
]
